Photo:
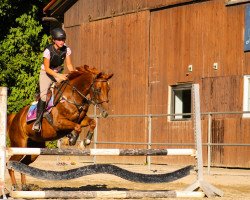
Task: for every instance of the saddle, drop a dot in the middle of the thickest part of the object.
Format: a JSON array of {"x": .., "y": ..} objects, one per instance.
[
  {"x": 51, "y": 101},
  {"x": 31, "y": 114}
]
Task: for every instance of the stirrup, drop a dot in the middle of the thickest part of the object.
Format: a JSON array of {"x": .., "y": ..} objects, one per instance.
[{"x": 36, "y": 127}]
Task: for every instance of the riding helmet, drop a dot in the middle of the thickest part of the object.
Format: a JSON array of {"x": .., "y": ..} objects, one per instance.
[{"x": 58, "y": 34}]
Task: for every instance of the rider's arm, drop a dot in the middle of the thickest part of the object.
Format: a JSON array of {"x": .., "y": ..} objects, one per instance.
[
  {"x": 46, "y": 63},
  {"x": 68, "y": 63},
  {"x": 68, "y": 60}
]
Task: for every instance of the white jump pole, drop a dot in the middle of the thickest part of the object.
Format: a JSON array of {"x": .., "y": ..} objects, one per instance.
[
  {"x": 100, "y": 152},
  {"x": 3, "y": 127},
  {"x": 105, "y": 194}
]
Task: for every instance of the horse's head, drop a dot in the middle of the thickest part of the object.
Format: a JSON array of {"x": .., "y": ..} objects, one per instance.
[
  {"x": 99, "y": 91},
  {"x": 99, "y": 88}
]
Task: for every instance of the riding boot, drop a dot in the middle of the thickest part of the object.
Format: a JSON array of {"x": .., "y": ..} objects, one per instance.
[{"x": 39, "y": 116}]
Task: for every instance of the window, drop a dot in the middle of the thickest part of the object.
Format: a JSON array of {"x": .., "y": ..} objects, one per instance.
[
  {"x": 246, "y": 95},
  {"x": 181, "y": 101},
  {"x": 231, "y": 2}
]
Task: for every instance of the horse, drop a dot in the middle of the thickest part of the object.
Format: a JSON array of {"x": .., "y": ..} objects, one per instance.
[{"x": 68, "y": 115}]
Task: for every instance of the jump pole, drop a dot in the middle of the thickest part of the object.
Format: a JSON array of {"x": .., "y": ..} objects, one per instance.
[
  {"x": 101, "y": 152},
  {"x": 3, "y": 127},
  {"x": 104, "y": 194}
]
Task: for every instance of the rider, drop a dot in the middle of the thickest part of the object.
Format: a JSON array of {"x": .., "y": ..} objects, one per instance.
[{"x": 53, "y": 58}]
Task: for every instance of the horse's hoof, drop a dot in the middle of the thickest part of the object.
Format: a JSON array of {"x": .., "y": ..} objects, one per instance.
[
  {"x": 87, "y": 142},
  {"x": 25, "y": 187},
  {"x": 72, "y": 141},
  {"x": 105, "y": 114},
  {"x": 15, "y": 187},
  {"x": 30, "y": 187}
]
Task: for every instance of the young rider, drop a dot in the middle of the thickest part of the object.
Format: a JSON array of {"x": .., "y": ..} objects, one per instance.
[{"x": 53, "y": 58}]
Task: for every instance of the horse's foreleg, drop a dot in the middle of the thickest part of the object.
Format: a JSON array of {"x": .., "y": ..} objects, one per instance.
[
  {"x": 92, "y": 124},
  {"x": 63, "y": 124},
  {"x": 73, "y": 136}
]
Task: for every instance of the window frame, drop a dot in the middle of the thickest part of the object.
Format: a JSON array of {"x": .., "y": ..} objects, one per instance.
[
  {"x": 172, "y": 101},
  {"x": 246, "y": 96},
  {"x": 232, "y": 2}
]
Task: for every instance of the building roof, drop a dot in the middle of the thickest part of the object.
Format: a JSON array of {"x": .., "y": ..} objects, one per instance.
[{"x": 57, "y": 8}]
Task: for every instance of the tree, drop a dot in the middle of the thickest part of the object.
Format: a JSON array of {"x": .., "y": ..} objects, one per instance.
[{"x": 21, "y": 58}]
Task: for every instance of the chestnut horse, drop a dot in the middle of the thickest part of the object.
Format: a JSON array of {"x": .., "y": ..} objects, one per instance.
[{"x": 68, "y": 115}]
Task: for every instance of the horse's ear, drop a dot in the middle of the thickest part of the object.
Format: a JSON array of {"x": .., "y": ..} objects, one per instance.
[
  {"x": 92, "y": 70},
  {"x": 86, "y": 67},
  {"x": 99, "y": 75},
  {"x": 107, "y": 76}
]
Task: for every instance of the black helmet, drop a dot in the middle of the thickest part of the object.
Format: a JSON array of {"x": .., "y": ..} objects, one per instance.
[{"x": 58, "y": 34}]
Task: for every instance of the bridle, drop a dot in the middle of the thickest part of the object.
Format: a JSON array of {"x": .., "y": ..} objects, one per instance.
[
  {"x": 92, "y": 100},
  {"x": 96, "y": 91}
]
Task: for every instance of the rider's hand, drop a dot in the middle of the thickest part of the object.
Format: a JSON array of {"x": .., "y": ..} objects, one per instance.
[{"x": 62, "y": 77}]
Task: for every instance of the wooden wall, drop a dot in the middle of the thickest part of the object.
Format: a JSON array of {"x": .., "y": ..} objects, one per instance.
[
  {"x": 118, "y": 45},
  {"x": 150, "y": 50},
  {"x": 87, "y": 10}
]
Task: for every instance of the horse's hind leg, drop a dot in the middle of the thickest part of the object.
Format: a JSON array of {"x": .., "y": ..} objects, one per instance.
[
  {"x": 12, "y": 173},
  {"x": 27, "y": 160}
]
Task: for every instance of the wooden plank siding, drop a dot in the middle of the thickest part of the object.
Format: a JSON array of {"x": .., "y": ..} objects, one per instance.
[
  {"x": 88, "y": 10},
  {"x": 200, "y": 35},
  {"x": 118, "y": 45},
  {"x": 150, "y": 50}
]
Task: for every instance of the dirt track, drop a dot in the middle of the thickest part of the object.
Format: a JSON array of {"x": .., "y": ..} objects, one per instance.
[{"x": 235, "y": 183}]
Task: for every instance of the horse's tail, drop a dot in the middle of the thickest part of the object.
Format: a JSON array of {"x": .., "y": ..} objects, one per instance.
[{"x": 10, "y": 118}]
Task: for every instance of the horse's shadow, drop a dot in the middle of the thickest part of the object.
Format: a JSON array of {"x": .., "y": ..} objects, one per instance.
[{"x": 98, "y": 187}]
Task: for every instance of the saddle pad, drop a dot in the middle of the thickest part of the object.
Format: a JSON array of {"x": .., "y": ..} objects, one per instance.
[{"x": 31, "y": 115}]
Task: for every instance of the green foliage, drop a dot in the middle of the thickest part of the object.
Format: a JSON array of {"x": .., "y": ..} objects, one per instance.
[
  {"x": 4, "y": 7},
  {"x": 20, "y": 60},
  {"x": 22, "y": 41},
  {"x": 51, "y": 144},
  {"x": 12, "y": 9}
]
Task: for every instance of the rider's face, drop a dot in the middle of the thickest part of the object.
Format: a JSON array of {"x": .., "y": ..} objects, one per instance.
[{"x": 59, "y": 43}]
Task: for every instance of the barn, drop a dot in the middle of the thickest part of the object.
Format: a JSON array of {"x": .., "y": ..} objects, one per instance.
[{"x": 157, "y": 50}]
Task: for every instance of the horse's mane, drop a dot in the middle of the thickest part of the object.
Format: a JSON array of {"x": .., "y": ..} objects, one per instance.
[
  {"x": 73, "y": 74},
  {"x": 81, "y": 70}
]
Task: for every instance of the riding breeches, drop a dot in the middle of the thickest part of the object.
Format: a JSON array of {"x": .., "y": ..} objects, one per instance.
[{"x": 45, "y": 80}]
